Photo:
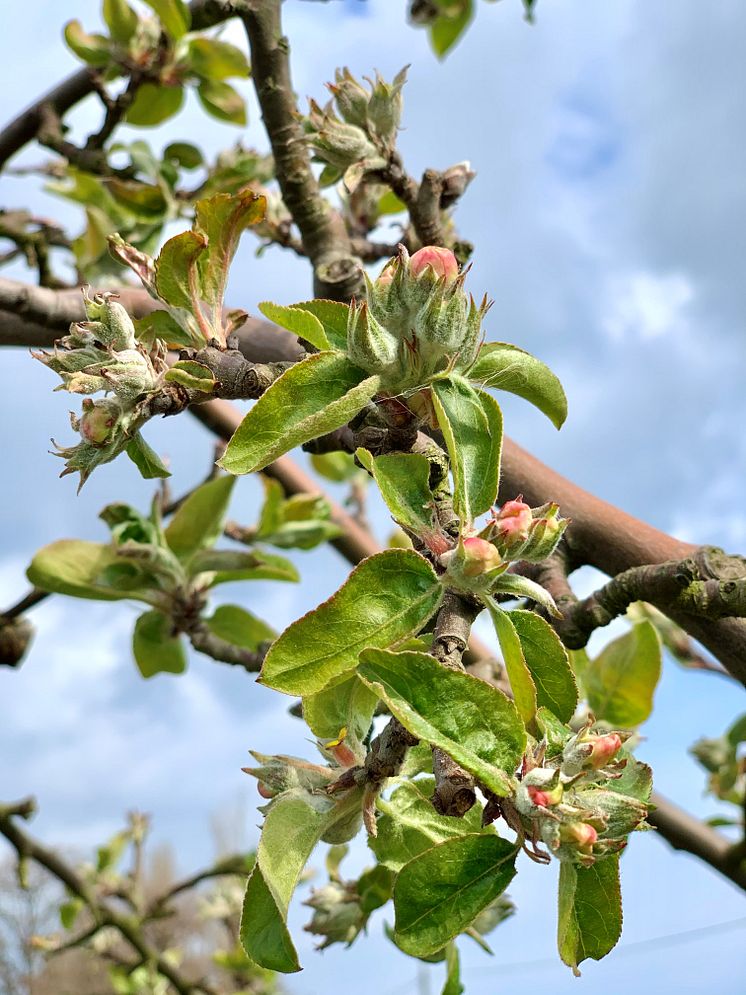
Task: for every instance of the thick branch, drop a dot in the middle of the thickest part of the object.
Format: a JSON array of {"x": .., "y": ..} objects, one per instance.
[
  {"x": 337, "y": 273},
  {"x": 685, "y": 832}
]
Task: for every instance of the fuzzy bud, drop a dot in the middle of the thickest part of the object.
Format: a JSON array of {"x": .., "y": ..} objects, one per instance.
[
  {"x": 440, "y": 262},
  {"x": 603, "y": 750},
  {"x": 580, "y": 835},
  {"x": 98, "y": 421}
]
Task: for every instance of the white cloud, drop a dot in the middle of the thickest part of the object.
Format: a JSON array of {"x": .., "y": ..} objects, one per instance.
[{"x": 647, "y": 306}]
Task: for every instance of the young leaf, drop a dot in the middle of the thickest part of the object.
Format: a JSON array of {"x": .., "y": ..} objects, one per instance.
[
  {"x": 237, "y": 626},
  {"x": 231, "y": 565},
  {"x": 620, "y": 682},
  {"x": 521, "y": 681},
  {"x": 212, "y": 58},
  {"x": 76, "y": 567},
  {"x": 471, "y": 423},
  {"x": 448, "y": 26},
  {"x": 349, "y": 705},
  {"x": 590, "y": 911},
  {"x": 174, "y": 15},
  {"x": 146, "y": 459},
  {"x": 403, "y": 479},
  {"x": 506, "y": 367},
  {"x": 222, "y": 101},
  {"x": 198, "y": 522},
  {"x": 333, "y": 316},
  {"x": 298, "y": 321},
  {"x": 121, "y": 20},
  {"x": 453, "y": 984},
  {"x": 191, "y": 374},
  {"x": 386, "y": 599},
  {"x": 93, "y": 49},
  {"x": 294, "y": 824},
  {"x": 522, "y": 587},
  {"x": 546, "y": 659},
  {"x": 313, "y": 397},
  {"x": 442, "y": 891},
  {"x": 409, "y": 824},
  {"x": 467, "y": 718},
  {"x": 156, "y": 649},
  {"x": 176, "y": 270},
  {"x": 154, "y": 104}
]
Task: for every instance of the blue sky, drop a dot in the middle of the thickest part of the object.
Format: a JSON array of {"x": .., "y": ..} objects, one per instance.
[{"x": 608, "y": 219}]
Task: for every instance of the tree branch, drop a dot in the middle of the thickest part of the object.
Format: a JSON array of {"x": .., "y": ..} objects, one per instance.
[
  {"x": 337, "y": 272},
  {"x": 685, "y": 832},
  {"x": 28, "y": 848},
  {"x": 70, "y": 91}
]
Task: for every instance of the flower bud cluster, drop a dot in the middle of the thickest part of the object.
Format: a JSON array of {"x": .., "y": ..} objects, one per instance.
[
  {"x": 417, "y": 321},
  {"x": 355, "y": 132},
  {"x": 102, "y": 354},
  {"x": 337, "y": 913},
  {"x": 523, "y": 533},
  {"x": 571, "y": 802}
]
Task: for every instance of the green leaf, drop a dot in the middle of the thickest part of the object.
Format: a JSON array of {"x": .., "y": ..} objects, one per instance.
[
  {"x": 160, "y": 325},
  {"x": 222, "y": 101},
  {"x": 144, "y": 200},
  {"x": 185, "y": 154},
  {"x": 403, "y": 480},
  {"x": 453, "y": 984},
  {"x": 156, "y": 649},
  {"x": 198, "y": 522},
  {"x": 386, "y": 599},
  {"x": 146, "y": 459},
  {"x": 446, "y": 29},
  {"x": 313, "y": 397},
  {"x": 620, "y": 682},
  {"x": 522, "y": 587},
  {"x": 69, "y": 912},
  {"x": 506, "y": 367},
  {"x": 442, "y": 891},
  {"x": 590, "y": 911},
  {"x": 191, "y": 374},
  {"x": 174, "y": 15},
  {"x": 93, "y": 49},
  {"x": 409, "y": 824},
  {"x": 121, "y": 20},
  {"x": 333, "y": 316},
  {"x": 231, "y": 565},
  {"x": 75, "y": 567},
  {"x": 548, "y": 663},
  {"x": 349, "y": 705},
  {"x": 239, "y": 627},
  {"x": 216, "y": 60},
  {"x": 465, "y": 717},
  {"x": 521, "y": 681},
  {"x": 223, "y": 218},
  {"x": 176, "y": 280},
  {"x": 302, "y": 323},
  {"x": 154, "y": 103},
  {"x": 294, "y": 824},
  {"x": 471, "y": 423},
  {"x": 337, "y": 466}
]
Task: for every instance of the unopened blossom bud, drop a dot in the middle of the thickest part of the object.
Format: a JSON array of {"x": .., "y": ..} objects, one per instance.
[
  {"x": 545, "y": 797},
  {"x": 514, "y": 519},
  {"x": 580, "y": 835},
  {"x": 440, "y": 261},
  {"x": 546, "y": 532},
  {"x": 386, "y": 276},
  {"x": 98, "y": 421},
  {"x": 264, "y": 791},
  {"x": 479, "y": 557},
  {"x": 341, "y": 751},
  {"x": 604, "y": 749}
]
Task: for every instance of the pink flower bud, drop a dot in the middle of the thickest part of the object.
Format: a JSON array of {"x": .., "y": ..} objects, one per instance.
[
  {"x": 440, "y": 261},
  {"x": 480, "y": 556},
  {"x": 264, "y": 791},
  {"x": 538, "y": 797},
  {"x": 515, "y": 519},
  {"x": 386, "y": 275},
  {"x": 604, "y": 749},
  {"x": 97, "y": 422},
  {"x": 580, "y": 835},
  {"x": 344, "y": 755}
]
